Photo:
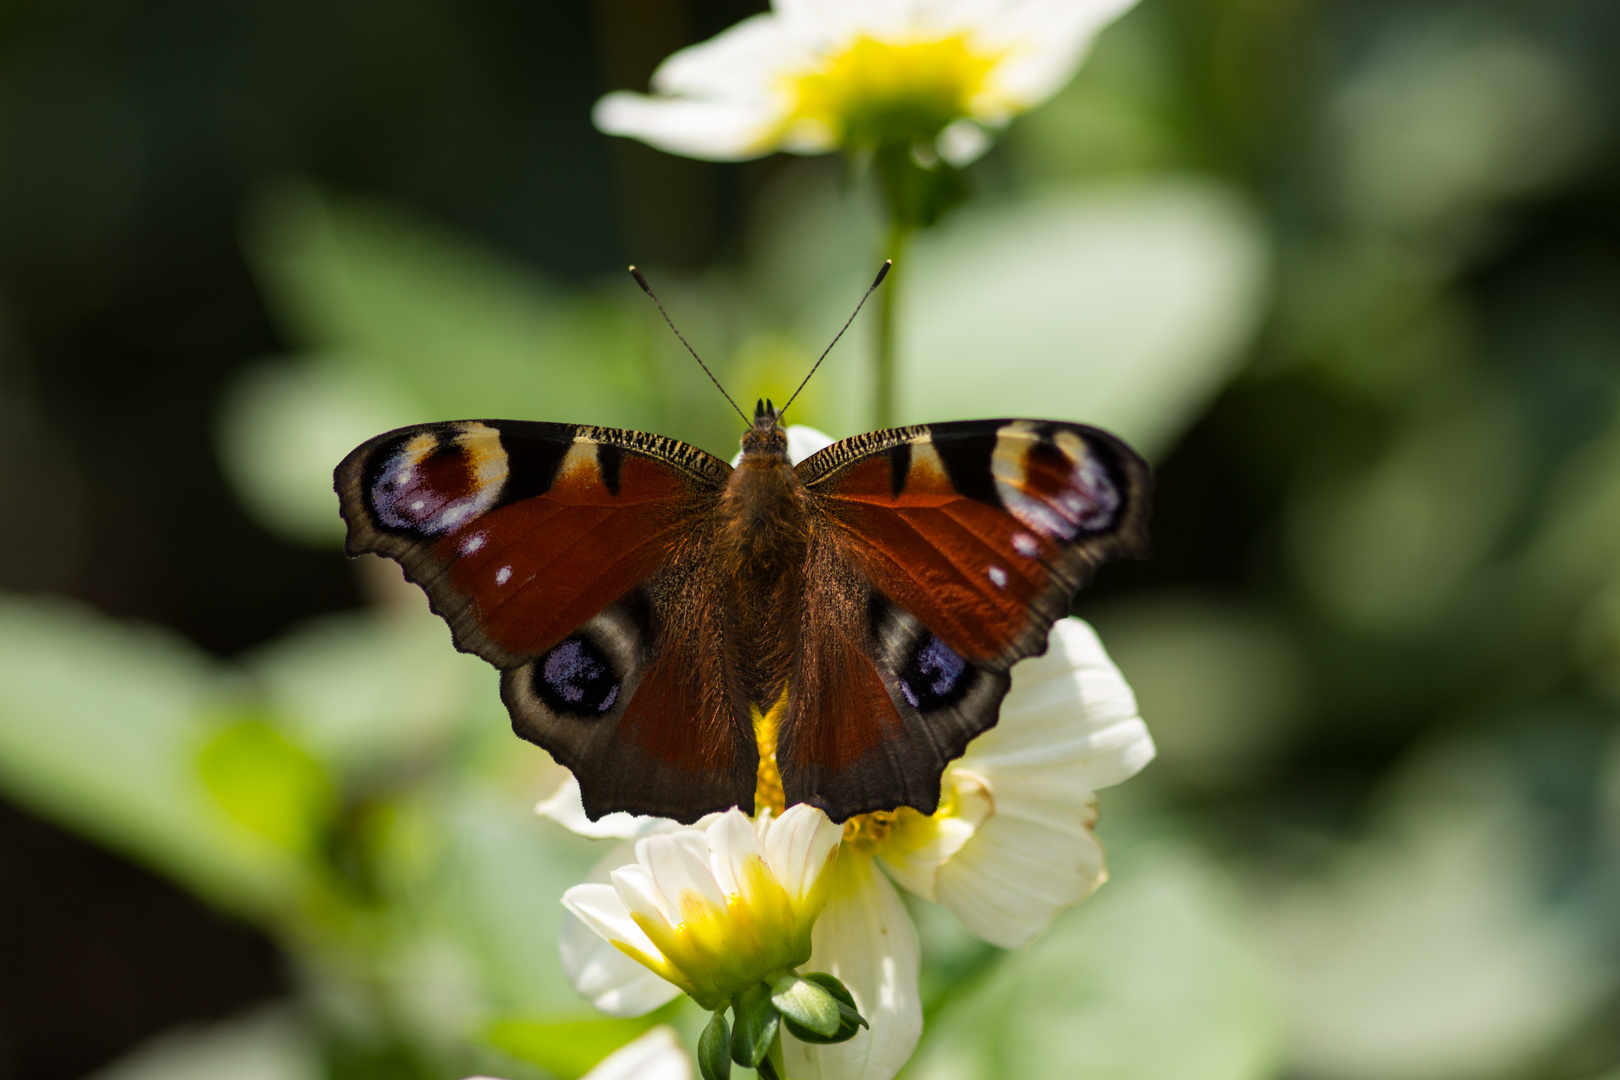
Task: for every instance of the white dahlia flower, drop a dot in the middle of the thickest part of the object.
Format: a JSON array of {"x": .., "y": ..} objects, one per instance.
[{"x": 811, "y": 76}]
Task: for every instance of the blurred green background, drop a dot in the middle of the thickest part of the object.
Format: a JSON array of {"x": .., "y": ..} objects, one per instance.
[{"x": 1347, "y": 270}]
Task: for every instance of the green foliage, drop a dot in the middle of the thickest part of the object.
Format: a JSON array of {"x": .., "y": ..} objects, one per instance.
[
  {"x": 570, "y": 1048},
  {"x": 1155, "y": 977},
  {"x": 101, "y": 726},
  {"x": 269, "y": 785}
]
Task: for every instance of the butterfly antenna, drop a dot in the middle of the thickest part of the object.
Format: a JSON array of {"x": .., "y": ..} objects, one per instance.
[
  {"x": 646, "y": 288},
  {"x": 883, "y": 272}
]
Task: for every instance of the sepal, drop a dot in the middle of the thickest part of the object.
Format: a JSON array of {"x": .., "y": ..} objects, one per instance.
[
  {"x": 803, "y": 1003},
  {"x": 757, "y": 1023},
  {"x": 714, "y": 1048},
  {"x": 850, "y": 1021}
]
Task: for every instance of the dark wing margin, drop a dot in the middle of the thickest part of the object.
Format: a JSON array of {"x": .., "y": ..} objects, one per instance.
[
  {"x": 965, "y": 542},
  {"x": 549, "y": 549}
]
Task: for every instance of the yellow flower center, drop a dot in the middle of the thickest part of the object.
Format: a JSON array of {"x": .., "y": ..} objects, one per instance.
[
  {"x": 715, "y": 952},
  {"x": 768, "y": 785},
  {"x": 903, "y": 830},
  {"x": 964, "y": 803},
  {"x": 876, "y": 92}
]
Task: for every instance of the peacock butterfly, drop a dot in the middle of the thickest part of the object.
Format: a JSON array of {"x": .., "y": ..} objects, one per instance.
[{"x": 640, "y": 595}]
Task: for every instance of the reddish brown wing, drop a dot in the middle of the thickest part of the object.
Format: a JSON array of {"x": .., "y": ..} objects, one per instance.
[
  {"x": 555, "y": 552},
  {"x": 943, "y": 554}
]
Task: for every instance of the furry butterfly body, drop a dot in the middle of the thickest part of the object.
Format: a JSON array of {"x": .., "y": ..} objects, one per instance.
[{"x": 643, "y": 599}]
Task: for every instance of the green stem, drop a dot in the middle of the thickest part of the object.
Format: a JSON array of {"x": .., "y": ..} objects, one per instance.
[
  {"x": 778, "y": 1062},
  {"x": 888, "y": 303}
]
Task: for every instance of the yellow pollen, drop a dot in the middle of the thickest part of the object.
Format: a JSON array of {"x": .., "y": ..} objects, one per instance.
[
  {"x": 878, "y": 92},
  {"x": 768, "y": 786},
  {"x": 867, "y": 832}
]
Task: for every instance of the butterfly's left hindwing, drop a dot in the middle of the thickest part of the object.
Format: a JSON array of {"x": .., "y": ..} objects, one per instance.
[
  {"x": 552, "y": 550},
  {"x": 960, "y": 545}
]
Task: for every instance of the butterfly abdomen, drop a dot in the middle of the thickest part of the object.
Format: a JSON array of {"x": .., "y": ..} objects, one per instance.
[{"x": 762, "y": 538}]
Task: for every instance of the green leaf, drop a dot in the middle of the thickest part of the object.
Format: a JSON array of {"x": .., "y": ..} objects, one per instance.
[
  {"x": 496, "y": 893},
  {"x": 269, "y": 1043},
  {"x": 1151, "y": 979},
  {"x": 1441, "y": 900},
  {"x": 269, "y": 784},
  {"x": 714, "y": 1048},
  {"x": 101, "y": 724},
  {"x": 756, "y": 1025},
  {"x": 1123, "y": 307},
  {"x": 364, "y": 691},
  {"x": 569, "y": 1049},
  {"x": 453, "y": 327}
]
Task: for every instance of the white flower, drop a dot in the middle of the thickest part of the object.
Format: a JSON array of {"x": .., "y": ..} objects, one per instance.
[
  {"x": 716, "y": 910},
  {"x": 813, "y": 75},
  {"x": 657, "y": 1055},
  {"x": 1010, "y": 846}
]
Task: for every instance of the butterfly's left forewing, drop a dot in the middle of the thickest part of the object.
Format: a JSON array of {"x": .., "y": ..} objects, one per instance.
[
  {"x": 570, "y": 557},
  {"x": 947, "y": 551}
]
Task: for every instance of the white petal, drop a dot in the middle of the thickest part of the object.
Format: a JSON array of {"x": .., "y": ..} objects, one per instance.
[
  {"x": 639, "y": 892},
  {"x": 657, "y": 1055},
  {"x": 567, "y": 809},
  {"x": 1035, "y": 856},
  {"x": 1071, "y": 708},
  {"x": 1068, "y": 726},
  {"x": 604, "y": 976},
  {"x": 797, "y": 845},
  {"x": 865, "y": 938},
  {"x": 804, "y": 440},
  {"x": 606, "y": 911},
  {"x": 732, "y": 842},
  {"x": 830, "y": 25},
  {"x": 971, "y": 804},
  {"x": 611, "y": 981},
  {"x": 745, "y": 63},
  {"x": 679, "y": 862},
  {"x": 712, "y": 130},
  {"x": 1047, "y": 40}
]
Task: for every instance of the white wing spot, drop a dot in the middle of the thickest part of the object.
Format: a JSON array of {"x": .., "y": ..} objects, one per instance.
[
  {"x": 473, "y": 543},
  {"x": 1025, "y": 545},
  {"x": 998, "y": 577},
  {"x": 418, "y": 504},
  {"x": 503, "y": 575}
]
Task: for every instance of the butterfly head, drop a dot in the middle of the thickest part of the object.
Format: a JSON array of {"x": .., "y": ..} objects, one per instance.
[{"x": 766, "y": 435}]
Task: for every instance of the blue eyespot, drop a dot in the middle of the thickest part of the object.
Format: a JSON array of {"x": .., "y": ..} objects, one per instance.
[
  {"x": 934, "y": 677},
  {"x": 576, "y": 678}
]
